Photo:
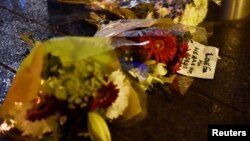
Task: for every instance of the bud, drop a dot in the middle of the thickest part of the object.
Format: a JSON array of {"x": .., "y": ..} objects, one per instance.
[{"x": 98, "y": 128}]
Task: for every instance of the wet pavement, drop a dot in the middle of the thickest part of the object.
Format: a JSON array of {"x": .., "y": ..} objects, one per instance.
[{"x": 223, "y": 100}]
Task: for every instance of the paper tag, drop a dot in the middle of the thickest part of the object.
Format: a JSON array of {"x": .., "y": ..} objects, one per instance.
[{"x": 201, "y": 61}]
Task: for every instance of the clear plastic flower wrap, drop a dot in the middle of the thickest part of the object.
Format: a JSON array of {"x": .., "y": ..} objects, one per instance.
[
  {"x": 188, "y": 12},
  {"x": 152, "y": 51},
  {"x": 67, "y": 88}
]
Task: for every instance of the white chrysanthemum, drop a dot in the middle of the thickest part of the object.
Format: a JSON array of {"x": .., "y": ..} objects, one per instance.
[
  {"x": 35, "y": 129},
  {"x": 194, "y": 13},
  {"x": 39, "y": 127},
  {"x": 121, "y": 103}
]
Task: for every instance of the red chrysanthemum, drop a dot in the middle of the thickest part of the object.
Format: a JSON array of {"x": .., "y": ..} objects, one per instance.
[
  {"x": 162, "y": 48},
  {"x": 106, "y": 95},
  {"x": 184, "y": 49},
  {"x": 183, "y": 53},
  {"x": 43, "y": 107},
  {"x": 177, "y": 66}
]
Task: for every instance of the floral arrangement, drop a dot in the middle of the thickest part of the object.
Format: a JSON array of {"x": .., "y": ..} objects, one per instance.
[
  {"x": 189, "y": 12},
  {"x": 161, "y": 51},
  {"x": 67, "y": 88},
  {"x": 150, "y": 54}
]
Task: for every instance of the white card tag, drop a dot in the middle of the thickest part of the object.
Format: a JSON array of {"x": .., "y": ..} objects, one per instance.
[{"x": 201, "y": 61}]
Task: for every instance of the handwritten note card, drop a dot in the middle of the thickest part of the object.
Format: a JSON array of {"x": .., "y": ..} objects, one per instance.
[{"x": 201, "y": 61}]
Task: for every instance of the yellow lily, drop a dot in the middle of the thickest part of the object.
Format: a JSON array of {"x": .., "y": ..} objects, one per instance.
[{"x": 98, "y": 128}]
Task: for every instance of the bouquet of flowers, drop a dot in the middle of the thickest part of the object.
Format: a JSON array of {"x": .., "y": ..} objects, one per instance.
[
  {"x": 150, "y": 50},
  {"x": 189, "y": 12},
  {"x": 66, "y": 88}
]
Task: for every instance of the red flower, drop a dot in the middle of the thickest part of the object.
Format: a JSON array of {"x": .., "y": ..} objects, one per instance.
[
  {"x": 177, "y": 66},
  {"x": 183, "y": 53},
  {"x": 162, "y": 48},
  {"x": 106, "y": 95},
  {"x": 43, "y": 107},
  {"x": 184, "y": 49}
]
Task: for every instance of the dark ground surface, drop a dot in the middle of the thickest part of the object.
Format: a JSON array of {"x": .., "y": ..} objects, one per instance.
[{"x": 223, "y": 100}]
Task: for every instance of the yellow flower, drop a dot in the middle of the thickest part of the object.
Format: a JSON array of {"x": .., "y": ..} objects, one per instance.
[
  {"x": 194, "y": 13},
  {"x": 98, "y": 128},
  {"x": 163, "y": 11}
]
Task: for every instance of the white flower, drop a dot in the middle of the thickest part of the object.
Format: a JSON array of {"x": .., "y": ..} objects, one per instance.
[
  {"x": 39, "y": 127},
  {"x": 121, "y": 103},
  {"x": 35, "y": 129},
  {"x": 156, "y": 75},
  {"x": 194, "y": 13}
]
